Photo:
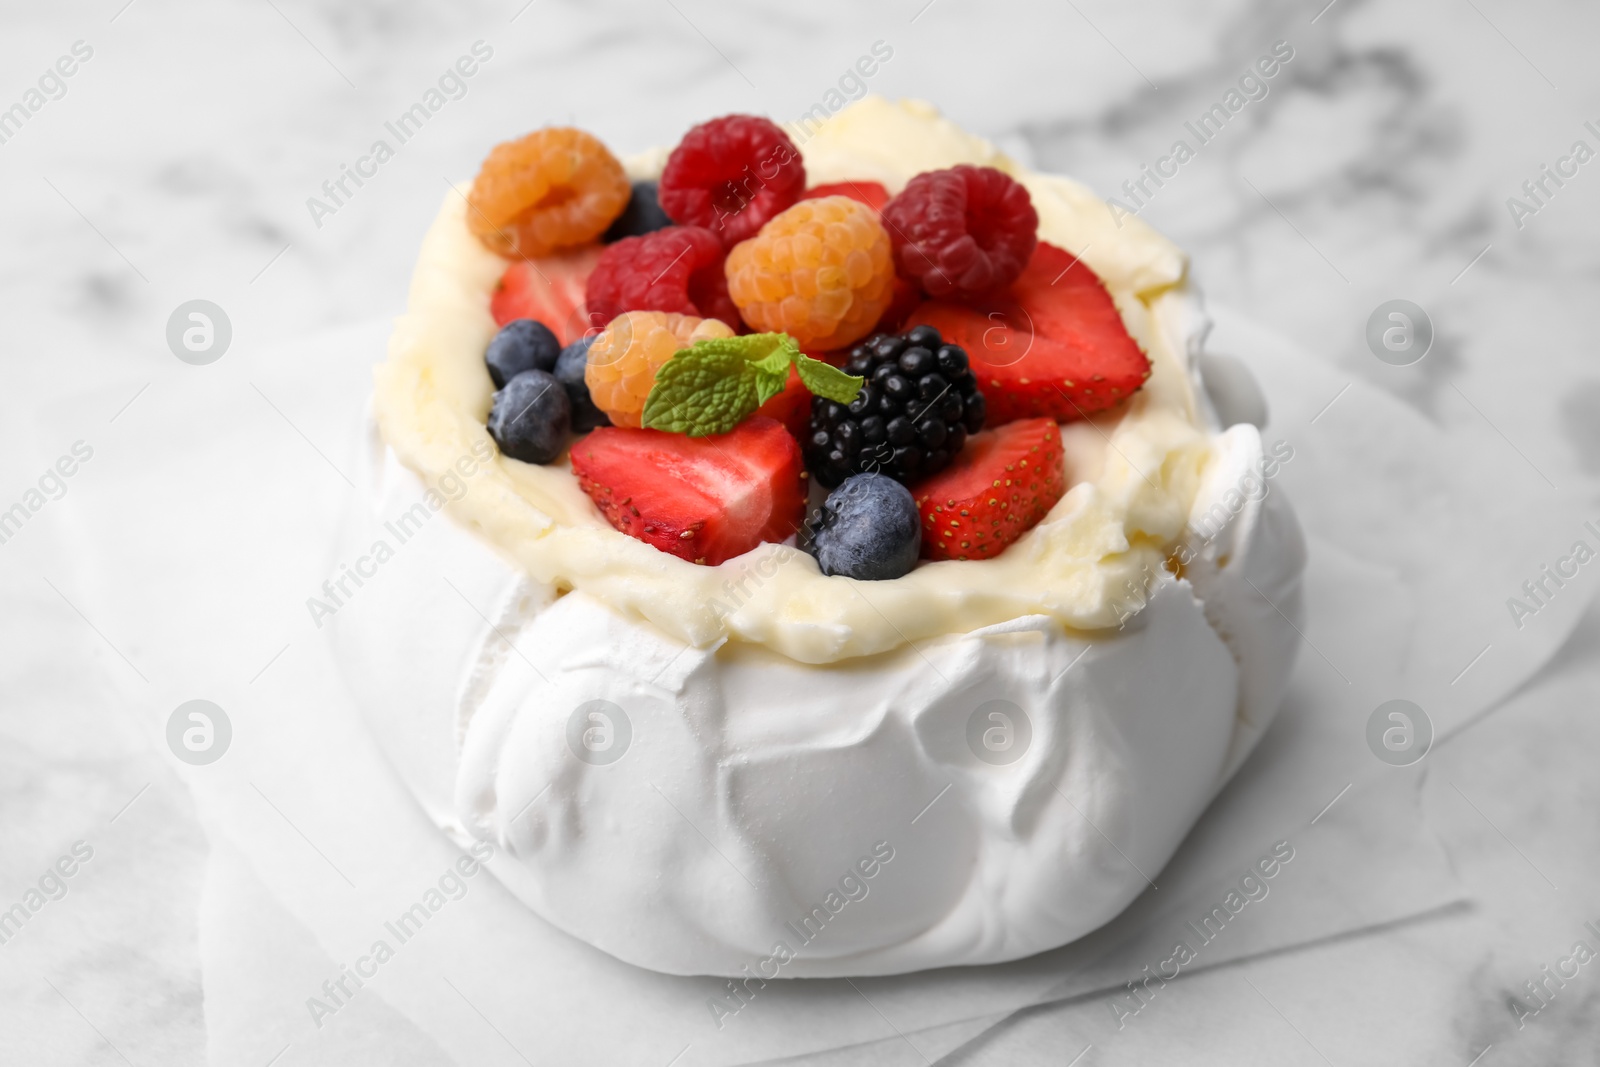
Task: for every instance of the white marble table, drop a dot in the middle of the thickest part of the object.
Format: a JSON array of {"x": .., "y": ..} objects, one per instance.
[{"x": 176, "y": 163}]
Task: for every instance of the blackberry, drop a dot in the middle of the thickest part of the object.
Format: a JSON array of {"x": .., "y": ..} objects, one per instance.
[{"x": 912, "y": 416}]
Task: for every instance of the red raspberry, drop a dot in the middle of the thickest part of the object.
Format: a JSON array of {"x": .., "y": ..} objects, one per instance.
[
  {"x": 962, "y": 232},
  {"x": 677, "y": 269},
  {"x": 731, "y": 175}
]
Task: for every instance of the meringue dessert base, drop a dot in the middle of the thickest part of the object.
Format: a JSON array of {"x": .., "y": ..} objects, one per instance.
[{"x": 750, "y": 785}]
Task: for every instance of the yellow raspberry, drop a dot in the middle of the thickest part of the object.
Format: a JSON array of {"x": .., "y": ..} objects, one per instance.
[
  {"x": 555, "y": 188},
  {"x": 822, "y": 271},
  {"x": 625, "y": 357}
]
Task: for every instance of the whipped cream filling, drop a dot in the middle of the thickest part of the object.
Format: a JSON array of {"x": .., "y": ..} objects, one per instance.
[{"x": 1133, "y": 473}]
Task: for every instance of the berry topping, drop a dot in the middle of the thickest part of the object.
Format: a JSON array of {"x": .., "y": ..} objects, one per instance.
[
  {"x": 869, "y": 193},
  {"x": 642, "y": 215},
  {"x": 624, "y": 358},
  {"x": 703, "y": 499},
  {"x": 570, "y": 367},
  {"x": 549, "y": 289},
  {"x": 822, "y": 272},
  {"x": 555, "y": 188},
  {"x": 918, "y": 406},
  {"x": 869, "y": 528},
  {"x": 998, "y": 489},
  {"x": 1054, "y": 344},
  {"x": 963, "y": 232},
  {"x": 731, "y": 175},
  {"x": 530, "y": 417},
  {"x": 521, "y": 344},
  {"x": 676, "y": 269}
]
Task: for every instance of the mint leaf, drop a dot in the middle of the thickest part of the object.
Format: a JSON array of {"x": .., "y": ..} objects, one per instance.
[
  {"x": 778, "y": 361},
  {"x": 772, "y": 370},
  {"x": 828, "y": 381},
  {"x": 768, "y": 384},
  {"x": 712, "y": 386},
  {"x": 702, "y": 390},
  {"x": 755, "y": 347}
]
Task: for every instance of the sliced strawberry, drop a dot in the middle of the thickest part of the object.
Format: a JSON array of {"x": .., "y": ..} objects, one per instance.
[
  {"x": 792, "y": 407},
  {"x": 869, "y": 193},
  {"x": 998, "y": 489},
  {"x": 703, "y": 499},
  {"x": 549, "y": 289},
  {"x": 1053, "y": 344}
]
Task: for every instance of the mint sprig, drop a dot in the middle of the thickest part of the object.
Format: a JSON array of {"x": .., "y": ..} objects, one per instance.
[{"x": 712, "y": 386}]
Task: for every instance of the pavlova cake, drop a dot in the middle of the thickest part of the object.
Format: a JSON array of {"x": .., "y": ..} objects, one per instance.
[{"x": 846, "y": 570}]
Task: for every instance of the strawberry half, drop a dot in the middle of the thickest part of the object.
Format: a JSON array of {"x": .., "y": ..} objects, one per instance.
[
  {"x": 549, "y": 289},
  {"x": 703, "y": 499},
  {"x": 1052, "y": 344},
  {"x": 998, "y": 489}
]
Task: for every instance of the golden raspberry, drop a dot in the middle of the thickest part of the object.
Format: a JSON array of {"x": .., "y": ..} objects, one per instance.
[
  {"x": 625, "y": 357},
  {"x": 555, "y": 188},
  {"x": 822, "y": 271}
]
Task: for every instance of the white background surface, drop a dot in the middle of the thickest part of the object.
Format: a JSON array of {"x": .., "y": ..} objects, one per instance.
[{"x": 177, "y": 166}]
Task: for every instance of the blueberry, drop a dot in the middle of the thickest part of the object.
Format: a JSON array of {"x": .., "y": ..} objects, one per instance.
[
  {"x": 522, "y": 344},
  {"x": 869, "y": 529},
  {"x": 530, "y": 417},
  {"x": 642, "y": 215},
  {"x": 569, "y": 372}
]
